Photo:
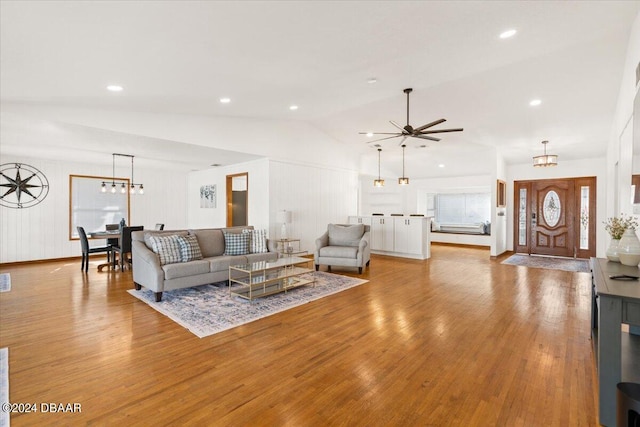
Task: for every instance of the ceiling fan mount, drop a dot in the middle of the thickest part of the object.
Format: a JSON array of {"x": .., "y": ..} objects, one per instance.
[{"x": 408, "y": 131}]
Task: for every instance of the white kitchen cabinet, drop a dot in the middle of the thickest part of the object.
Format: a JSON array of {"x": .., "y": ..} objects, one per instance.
[{"x": 403, "y": 236}]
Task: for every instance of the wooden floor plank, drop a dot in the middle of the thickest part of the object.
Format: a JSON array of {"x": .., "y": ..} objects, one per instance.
[{"x": 455, "y": 340}]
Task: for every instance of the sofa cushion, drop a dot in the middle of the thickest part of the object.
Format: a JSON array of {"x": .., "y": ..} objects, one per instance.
[
  {"x": 236, "y": 243},
  {"x": 167, "y": 248},
  {"x": 222, "y": 263},
  {"x": 189, "y": 248},
  {"x": 184, "y": 269},
  {"x": 339, "y": 251},
  {"x": 257, "y": 240},
  {"x": 263, "y": 256},
  {"x": 211, "y": 241},
  {"x": 345, "y": 235}
]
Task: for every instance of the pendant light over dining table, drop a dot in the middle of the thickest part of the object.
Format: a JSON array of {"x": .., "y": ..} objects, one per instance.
[{"x": 122, "y": 185}]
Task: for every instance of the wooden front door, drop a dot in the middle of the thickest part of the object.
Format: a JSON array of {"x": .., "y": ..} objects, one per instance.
[
  {"x": 555, "y": 217},
  {"x": 552, "y": 221}
]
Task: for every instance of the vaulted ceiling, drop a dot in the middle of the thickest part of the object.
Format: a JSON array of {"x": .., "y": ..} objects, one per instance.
[{"x": 182, "y": 57}]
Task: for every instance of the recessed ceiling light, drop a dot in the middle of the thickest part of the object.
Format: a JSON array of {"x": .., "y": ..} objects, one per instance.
[
  {"x": 225, "y": 100},
  {"x": 507, "y": 34},
  {"x": 369, "y": 134},
  {"x": 441, "y": 165},
  {"x": 535, "y": 102},
  {"x": 293, "y": 107},
  {"x": 115, "y": 88},
  {"x": 372, "y": 80}
]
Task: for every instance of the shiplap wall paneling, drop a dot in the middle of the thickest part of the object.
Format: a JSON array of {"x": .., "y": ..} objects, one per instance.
[
  {"x": 316, "y": 196},
  {"x": 42, "y": 231}
]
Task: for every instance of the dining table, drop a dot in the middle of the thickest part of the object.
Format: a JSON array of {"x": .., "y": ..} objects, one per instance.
[{"x": 106, "y": 234}]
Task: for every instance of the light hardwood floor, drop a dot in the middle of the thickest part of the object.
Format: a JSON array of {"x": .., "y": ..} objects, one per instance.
[{"x": 458, "y": 340}]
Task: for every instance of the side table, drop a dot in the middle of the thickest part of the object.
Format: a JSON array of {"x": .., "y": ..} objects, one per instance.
[{"x": 289, "y": 247}]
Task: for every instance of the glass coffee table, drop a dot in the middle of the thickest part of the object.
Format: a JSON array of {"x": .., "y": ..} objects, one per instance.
[{"x": 264, "y": 278}]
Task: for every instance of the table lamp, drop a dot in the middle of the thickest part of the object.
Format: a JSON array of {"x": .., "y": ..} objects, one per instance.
[{"x": 283, "y": 217}]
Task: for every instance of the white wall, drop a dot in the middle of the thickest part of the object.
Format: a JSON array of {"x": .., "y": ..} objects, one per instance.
[
  {"x": 316, "y": 196},
  {"x": 42, "y": 231},
  {"x": 258, "y": 195},
  {"x": 499, "y": 216},
  {"x": 410, "y": 199},
  {"x": 620, "y": 152}
]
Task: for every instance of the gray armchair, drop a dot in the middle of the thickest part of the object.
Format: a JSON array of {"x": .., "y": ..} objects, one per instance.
[{"x": 344, "y": 245}]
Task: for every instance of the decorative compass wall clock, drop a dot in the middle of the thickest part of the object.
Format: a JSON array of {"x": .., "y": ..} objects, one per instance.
[{"x": 22, "y": 186}]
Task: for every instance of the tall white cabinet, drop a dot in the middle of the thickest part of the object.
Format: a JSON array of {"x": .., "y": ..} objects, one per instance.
[{"x": 403, "y": 236}]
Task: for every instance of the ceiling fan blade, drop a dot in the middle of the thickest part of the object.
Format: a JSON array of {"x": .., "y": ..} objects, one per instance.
[
  {"x": 428, "y": 125},
  {"x": 441, "y": 130},
  {"x": 397, "y": 125},
  {"x": 382, "y": 139},
  {"x": 430, "y": 138},
  {"x": 402, "y": 140},
  {"x": 378, "y": 133}
]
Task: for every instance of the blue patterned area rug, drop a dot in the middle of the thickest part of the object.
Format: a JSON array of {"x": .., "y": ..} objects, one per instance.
[
  {"x": 566, "y": 264},
  {"x": 4, "y": 386},
  {"x": 209, "y": 309},
  {"x": 5, "y": 282}
]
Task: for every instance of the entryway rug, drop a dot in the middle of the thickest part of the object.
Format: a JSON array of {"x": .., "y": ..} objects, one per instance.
[
  {"x": 209, "y": 309},
  {"x": 5, "y": 282},
  {"x": 566, "y": 264}
]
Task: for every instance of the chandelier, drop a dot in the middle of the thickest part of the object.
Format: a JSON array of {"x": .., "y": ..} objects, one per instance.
[
  {"x": 546, "y": 159},
  {"x": 122, "y": 185}
]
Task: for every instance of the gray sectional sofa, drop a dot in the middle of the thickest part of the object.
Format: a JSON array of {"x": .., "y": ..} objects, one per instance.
[{"x": 160, "y": 269}]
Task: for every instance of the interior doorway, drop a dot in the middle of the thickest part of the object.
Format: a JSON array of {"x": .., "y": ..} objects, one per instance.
[
  {"x": 555, "y": 217},
  {"x": 238, "y": 200}
]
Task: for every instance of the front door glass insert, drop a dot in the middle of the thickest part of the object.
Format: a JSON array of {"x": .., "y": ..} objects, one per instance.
[
  {"x": 551, "y": 208},
  {"x": 584, "y": 217},
  {"x": 522, "y": 218}
]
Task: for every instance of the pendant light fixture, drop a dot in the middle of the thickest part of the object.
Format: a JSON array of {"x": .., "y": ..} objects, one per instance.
[
  {"x": 403, "y": 180},
  {"x": 378, "y": 182},
  {"x": 546, "y": 159},
  {"x": 123, "y": 185}
]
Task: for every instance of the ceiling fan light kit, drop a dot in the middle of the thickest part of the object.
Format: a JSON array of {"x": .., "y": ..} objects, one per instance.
[{"x": 545, "y": 160}]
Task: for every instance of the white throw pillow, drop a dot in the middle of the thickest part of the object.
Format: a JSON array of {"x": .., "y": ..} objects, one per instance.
[{"x": 258, "y": 242}]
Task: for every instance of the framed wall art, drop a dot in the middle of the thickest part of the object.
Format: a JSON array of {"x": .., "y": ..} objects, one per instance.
[{"x": 208, "y": 196}]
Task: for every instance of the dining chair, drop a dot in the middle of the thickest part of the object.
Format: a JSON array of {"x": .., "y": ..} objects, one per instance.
[
  {"x": 113, "y": 241},
  {"x": 86, "y": 250},
  {"x": 124, "y": 245},
  {"x": 159, "y": 226}
]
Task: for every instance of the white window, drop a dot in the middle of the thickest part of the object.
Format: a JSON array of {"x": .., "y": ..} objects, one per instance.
[{"x": 464, "y": 208}]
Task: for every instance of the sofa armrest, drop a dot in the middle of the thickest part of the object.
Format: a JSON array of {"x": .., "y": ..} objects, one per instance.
[
  {"x": 146, "y": 267},
  {"x": 364, "y": 249},
  {"x": 272, "y": 245}
]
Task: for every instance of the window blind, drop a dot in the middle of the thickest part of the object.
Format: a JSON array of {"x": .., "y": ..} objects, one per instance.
[{"x": 463, "y": 208}]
